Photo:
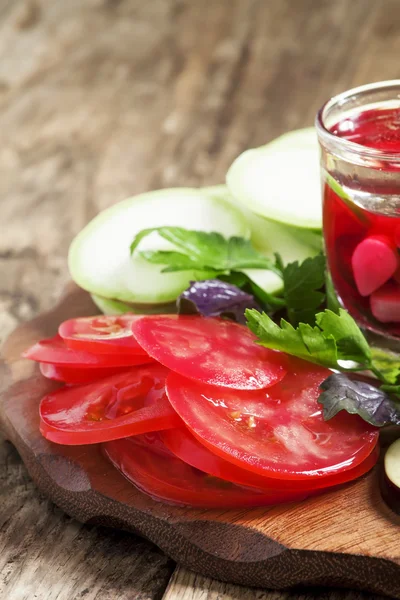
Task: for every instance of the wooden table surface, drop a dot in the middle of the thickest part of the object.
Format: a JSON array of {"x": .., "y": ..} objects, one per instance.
[{"x": 101, "y": 99}]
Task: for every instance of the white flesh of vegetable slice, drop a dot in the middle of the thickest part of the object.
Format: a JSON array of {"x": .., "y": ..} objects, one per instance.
[
  {"x": 391, "y": 481},
  {"x": 99, "y": 256},
  {"x": 269, "y": 237},
  {"x": 281, "y": 181},
  {"x": 108, "y": 306}
]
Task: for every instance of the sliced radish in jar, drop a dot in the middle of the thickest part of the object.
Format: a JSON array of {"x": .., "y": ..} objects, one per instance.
[
  {"x": 374, "y": 261},
  {"x": 385, "y": 304}
]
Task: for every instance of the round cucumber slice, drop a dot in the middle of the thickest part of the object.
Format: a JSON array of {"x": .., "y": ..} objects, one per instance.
[
  {"x": 109, "y": 306},
  {"x": 269, "y": 237},
  {"x": 292, "y": 243},
  {"x": 267, "y": 280},
  {"x": 116, "y": 307},
  {"x": 99, "y": 257},
  {"x": 281, "y": 181}
]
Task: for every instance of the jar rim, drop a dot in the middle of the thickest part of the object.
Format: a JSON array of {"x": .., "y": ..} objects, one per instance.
[{"x": 340, "y": 144}]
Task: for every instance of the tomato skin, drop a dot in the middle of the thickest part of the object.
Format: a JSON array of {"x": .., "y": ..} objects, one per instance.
[
  {"x": 168, "y": 479},
  {"x": 185, "y": 446},
  {"x": 101, "y": 334},
  {"x": 129, "y": 403},
  {"x": 279, "y": 432},
  {"x": 211, "y": 350},
  {"x": 54, "y": 350},
  {"x": 76, "y": 375}
]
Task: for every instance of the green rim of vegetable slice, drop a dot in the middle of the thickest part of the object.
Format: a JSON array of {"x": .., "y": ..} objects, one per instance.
[
  {"x": 99, "y": 256},
  {"x": 281, "y": 180}
]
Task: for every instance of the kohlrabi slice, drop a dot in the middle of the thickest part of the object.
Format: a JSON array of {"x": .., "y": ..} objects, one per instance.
[
  {"x": 281, "y": 181},
  {"x": 270, "y": 237},
  {"x": 108, "y": 306},
  {"x": 100, "y": 259}
]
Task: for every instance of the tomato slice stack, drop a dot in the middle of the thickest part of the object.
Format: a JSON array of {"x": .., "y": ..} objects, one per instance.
[{"x": 193, "y": 412}]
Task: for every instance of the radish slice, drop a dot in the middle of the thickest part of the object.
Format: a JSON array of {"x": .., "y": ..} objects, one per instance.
[
  {"x": 391, "y": 479},
  {"x": 374, "y": 261},
  {"x": 385, "y": 304}
]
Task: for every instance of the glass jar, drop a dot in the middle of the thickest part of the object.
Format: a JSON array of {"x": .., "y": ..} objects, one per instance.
[{"x": 359, "y": 136}]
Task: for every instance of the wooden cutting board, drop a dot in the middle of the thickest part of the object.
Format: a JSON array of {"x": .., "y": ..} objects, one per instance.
[{"x": 345, "y": 538}]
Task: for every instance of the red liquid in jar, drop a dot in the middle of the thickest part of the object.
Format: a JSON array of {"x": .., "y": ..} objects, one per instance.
[{"x": 362, "y": 246}]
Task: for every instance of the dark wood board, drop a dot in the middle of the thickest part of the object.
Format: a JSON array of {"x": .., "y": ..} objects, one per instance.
[{"x": 346, "y": 538}]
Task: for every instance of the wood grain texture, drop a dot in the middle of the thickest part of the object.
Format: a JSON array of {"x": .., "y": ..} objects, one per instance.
[
  {"x": 187, "y": 585},
  {"x": 278, "y": 547},
  {"x": 46, "y": 554},
  {"x": 101, "y": 99}
]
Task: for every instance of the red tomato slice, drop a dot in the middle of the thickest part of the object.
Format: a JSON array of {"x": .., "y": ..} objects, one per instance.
[
  {"x": 211, "y": 350},
  {"x": 54, "y": 351},
  {"x": 278, "y": 432},
  {"x": 76, "y": 375},
  {"x": 122, "y": 405},
  {"x": 169, "y": 479},
  {"x": 186, "y": 447},
  {"x": 101, "y": 334}
]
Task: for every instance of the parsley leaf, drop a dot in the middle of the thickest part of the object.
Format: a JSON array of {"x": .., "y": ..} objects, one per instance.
[
  {"x": 351, "y": 343},
  {"x": 304, "y": 342},
  {"x": 358, "y": 398},
  {"x": 332, "y": 301},
  {"x": 302, "y": 285},
  {"x": 334, "y": 338},
  {"x": 387, "y": 363},
  {"x": 202, "y": 251}
]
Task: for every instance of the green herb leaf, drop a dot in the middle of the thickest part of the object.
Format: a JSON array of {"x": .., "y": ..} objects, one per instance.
[
  {"x": 334, "y": 338},
  {"x": 267, "y": 301},
  {"x": 305, "y": 342},
  {"x": 202, "y": 251},
  {"x": 358, "y": 398},
  {"x": 351, "y": 343},
  {"x": 387, "y": 363},
  {"x": 332, "y": 301},
  {"x": 302, "y": 285},
  {"x": 391, "y": 389},
  {"x": 176, "y": 260}
]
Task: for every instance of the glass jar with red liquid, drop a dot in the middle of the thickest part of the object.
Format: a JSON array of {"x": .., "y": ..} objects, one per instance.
[{"x": 359, "y": 135}]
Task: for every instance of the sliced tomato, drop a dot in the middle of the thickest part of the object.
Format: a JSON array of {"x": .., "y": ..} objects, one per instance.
[
  {"x": 101, "y": 334},
  {"x": 54, "y": 350},
  {"x": 279, "y": 432},
  {"x": 76, "y": 375},
  {"x": 210, "y": 350},
  {"x": 186, "y": 447},
  {"x": 127, "y": 404},
  {"x": 169, "y": 479}
]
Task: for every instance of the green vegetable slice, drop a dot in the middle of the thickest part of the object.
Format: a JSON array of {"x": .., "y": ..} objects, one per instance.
[
  {"x": 334, "y": 338},
  {"x": 100, "y": 259},
  {"x": 108, "y": 306},
  {"x": 269, "y": 237},
  {"x": 281, "y": 180}
]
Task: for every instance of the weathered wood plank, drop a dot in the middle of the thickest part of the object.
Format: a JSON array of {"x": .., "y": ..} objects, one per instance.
[
  {"x": 45, "y": 554},
  {"x": 101, "y": 99},
  {"x": 185, "y": 585}
]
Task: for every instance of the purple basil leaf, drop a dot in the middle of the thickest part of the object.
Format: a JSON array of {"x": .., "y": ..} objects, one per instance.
[
  {"x": 358, "y": 398},
  {"x": 213, "y": 297}
]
